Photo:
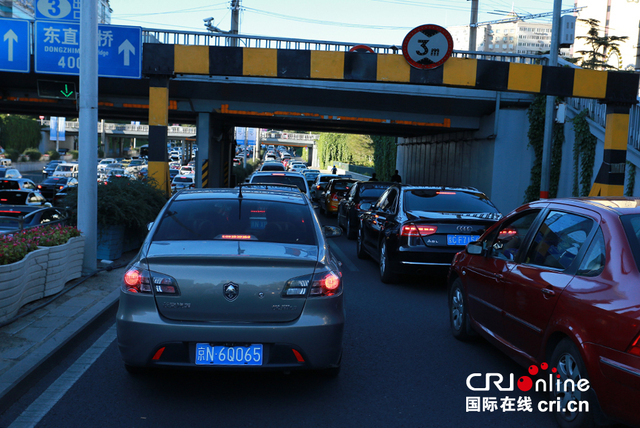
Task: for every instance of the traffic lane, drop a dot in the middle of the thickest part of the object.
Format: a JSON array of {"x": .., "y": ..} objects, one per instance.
[{"x": 401, "y": 367}]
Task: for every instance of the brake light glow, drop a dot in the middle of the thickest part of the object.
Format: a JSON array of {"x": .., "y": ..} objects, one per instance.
[
  {"x": 39, "y": 186},
  {"x": 278, "y": 174},
  {"x": 634, "y": 348},
  {"x": 445, "y": 193},
  {"x": 326, "y": 283},
  {"x": 505, "y": 233},
  {"x": 413, "y": 230},
  {"x": 240, "y": 237},
  {"x": 138, "y": 280}
]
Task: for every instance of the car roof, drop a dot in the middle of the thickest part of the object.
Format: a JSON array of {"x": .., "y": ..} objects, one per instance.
[
  {"x": 255, "y": 193},
  {"x": 617, "y": 205}
]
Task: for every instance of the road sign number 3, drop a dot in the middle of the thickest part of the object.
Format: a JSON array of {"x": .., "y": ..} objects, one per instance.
[
  {"x": 427, "y": 46},
  {"x": 54, "y": 9}
]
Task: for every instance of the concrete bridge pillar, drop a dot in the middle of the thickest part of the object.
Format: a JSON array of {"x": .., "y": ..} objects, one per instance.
[
  {"x": 610, "y": 178},
  {"x": 220, "y": 149}
]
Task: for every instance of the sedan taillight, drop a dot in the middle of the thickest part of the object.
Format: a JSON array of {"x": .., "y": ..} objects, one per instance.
[
  {"x": 325, "y": 283},
  {"x": 137, "y": 280},
  {"x": 634, "y": 348},
  {"x": 413, "y": 230}
]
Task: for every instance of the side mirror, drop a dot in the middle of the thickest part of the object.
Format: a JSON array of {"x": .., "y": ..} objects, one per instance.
[
  {"x": 331, "y": 231},
  {"x": 474, "y": 248},
  {"x": 365, "y": 206}
]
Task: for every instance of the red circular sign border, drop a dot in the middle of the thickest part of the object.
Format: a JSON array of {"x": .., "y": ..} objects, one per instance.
[{"x": 408, "y": 37}]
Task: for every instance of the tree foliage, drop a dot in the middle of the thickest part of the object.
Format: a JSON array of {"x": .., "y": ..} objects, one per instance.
[
  {"x": 19, "y": 132},
  {"x": 384, "y": 156},
  {"x": 602, "y": 47},
  {"x": 346, "y": 148}
]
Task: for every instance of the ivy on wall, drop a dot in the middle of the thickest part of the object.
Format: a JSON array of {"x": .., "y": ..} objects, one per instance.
[
  {"x": 536, "y": 114},
  {"x": 631, "y": 179},
  {"x": 384, "y": 156},
  {"x": 584, "y": 155}
]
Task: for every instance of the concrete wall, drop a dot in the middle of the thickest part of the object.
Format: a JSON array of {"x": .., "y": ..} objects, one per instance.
[{"x": 496, "y": 163}]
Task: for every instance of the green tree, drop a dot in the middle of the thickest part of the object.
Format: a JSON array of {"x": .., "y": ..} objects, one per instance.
[
  {"x": 602, "y": 47},
  {"x": 384, "y": 156},
  {"x": 19, "y": 132}
]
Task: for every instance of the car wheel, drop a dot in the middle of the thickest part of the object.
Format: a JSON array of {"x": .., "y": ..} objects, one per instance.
[
  {"x": 385, "y": 274},
  {"x": 351, "y": 231},
  {"x": 360, "y": 251},
  {"x": 567, "y": 360},
  {"x": 458, "y": 312}
]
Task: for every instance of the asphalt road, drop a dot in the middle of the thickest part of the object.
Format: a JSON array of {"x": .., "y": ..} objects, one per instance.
[{"x": 401, "y": 367}]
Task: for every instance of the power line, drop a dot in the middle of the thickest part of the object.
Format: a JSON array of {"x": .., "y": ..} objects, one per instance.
[{"x": 321, "y": 22}]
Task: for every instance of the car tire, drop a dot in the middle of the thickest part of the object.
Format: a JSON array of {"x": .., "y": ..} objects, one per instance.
[
  {"x": 385, "y": 274},
  {"x": 351, "y": 232},
  {"x": 567, "y": 360},
  {"x": 360, "y": 251},
  {"x": 459, "y": 312}
]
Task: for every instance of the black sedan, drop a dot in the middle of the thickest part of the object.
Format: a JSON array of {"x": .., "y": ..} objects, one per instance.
[
  {"x": 53, "y": 185},
  {"x": 17, "y": 217},
  {"x": 21, "y": 197},
  {"x": 415, "y": 228},
  {"x": 349, "y": 208},
  {"x": 17, "y": 184},
  {"x": 50, "y": 167}
]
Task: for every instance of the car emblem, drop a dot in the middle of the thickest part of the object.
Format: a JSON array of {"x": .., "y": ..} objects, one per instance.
[
  {"x": 230, "y": 291},
  {"x": 464, "y": 228}
]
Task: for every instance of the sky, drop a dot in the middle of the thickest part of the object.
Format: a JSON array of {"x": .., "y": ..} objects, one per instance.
[{"x": 382, "y": 22}]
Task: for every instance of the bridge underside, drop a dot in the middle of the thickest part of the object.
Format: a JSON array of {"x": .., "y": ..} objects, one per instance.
[{"x": 327, "y": 106}]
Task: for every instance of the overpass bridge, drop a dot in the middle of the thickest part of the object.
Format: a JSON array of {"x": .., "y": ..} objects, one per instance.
[{"x": 207, "y": 80}]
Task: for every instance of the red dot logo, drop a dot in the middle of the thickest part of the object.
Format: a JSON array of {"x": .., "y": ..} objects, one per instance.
[
  {"x": 525, "y": 383},
  {"x": 544, "y": 366},
  {"x": 533, "y": 370},
  {"x": 554, "y": 370}
]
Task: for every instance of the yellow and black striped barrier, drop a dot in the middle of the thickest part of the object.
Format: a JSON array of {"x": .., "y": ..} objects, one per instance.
[
  {"x": 158, "y": 167},
  {"x": 609, "y": 86},
  {"x": 610, "y": 178},
  {"x": 205, "y": 173}
]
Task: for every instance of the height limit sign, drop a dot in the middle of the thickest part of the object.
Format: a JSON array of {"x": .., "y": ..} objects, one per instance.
[{"x": 427, "y": 46}]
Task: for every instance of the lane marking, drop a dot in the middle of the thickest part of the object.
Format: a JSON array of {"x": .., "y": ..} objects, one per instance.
[
  {"x": 45, "y": 402},
  {"x": 343, "y": 257}
]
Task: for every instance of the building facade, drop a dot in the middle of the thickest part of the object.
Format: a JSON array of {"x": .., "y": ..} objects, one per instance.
[{"x": 507, "y": 37}]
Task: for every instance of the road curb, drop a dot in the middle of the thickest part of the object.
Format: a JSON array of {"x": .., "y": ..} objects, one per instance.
[{"x": 27, "y": 372}]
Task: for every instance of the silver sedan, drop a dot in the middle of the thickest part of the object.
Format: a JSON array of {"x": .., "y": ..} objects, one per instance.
[{"x": 234, "y": 279}]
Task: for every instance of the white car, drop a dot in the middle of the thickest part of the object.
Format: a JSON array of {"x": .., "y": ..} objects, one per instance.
[{"x": 102, "y": 165}]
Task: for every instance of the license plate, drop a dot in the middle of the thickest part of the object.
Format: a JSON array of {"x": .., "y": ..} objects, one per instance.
[
  {"x": 461, "y": 239},
  {"x": 229, "y": 355}
]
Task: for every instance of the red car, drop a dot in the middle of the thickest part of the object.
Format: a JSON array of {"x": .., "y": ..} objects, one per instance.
[{"x": 557, "y": 281}]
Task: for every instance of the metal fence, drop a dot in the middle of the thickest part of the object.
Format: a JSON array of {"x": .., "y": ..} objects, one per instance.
[
  {"x": 598, "y": 113},
  {"x": 150, "y": 35}
]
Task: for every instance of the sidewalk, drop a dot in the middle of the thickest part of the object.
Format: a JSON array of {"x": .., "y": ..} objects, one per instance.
[{"x": 45, "y": 326}]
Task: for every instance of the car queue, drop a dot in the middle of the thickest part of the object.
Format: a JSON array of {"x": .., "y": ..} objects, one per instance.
[{"x": 552, "y": 283}]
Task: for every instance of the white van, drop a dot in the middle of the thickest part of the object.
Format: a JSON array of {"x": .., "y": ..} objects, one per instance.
[{"x": 66, "y": 170}]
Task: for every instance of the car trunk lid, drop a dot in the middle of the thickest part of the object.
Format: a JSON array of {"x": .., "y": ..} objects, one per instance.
[{"x": 231, "y": 281}]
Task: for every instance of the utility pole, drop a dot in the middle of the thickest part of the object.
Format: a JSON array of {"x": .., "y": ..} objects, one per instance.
[
  {"x": 550, "y": 107},
  {"x": 473, "y": 25},
  {"x": 235, "y": 20}
]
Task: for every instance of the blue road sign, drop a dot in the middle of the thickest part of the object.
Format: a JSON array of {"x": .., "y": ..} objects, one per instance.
[
  {"x": 14, "y": 42},
  {"x": 60, "y": 10},
  {"x": 58, "y": 49}
]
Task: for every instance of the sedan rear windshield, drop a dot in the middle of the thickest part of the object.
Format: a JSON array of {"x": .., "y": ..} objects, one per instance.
[
  {"x": 55, "y": 180},
  {"x": 282, "y": 179},
  {"x": 9, "y": 184},
  {"x": 233, "y": 219},
  {"x": 372, "y": 192},
  {"x": 447, "y": 201},
  {"x": 64, "y": 168},
  {"x": 183, "y": 180}
]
